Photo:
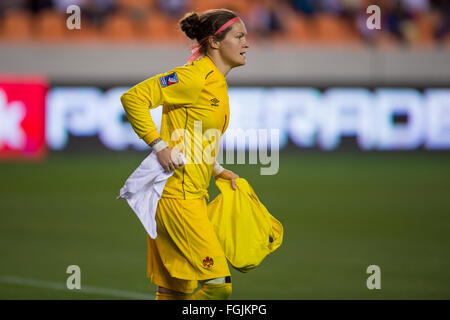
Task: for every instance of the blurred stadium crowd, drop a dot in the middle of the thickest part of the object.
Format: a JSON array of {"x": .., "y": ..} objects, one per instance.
[{"x": 330, "y": 22}]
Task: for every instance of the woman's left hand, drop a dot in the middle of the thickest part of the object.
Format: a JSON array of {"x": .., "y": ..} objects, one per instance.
[{"x": 228, "y": 175}]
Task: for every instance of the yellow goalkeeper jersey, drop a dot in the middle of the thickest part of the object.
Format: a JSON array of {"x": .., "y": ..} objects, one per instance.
[
  {"x": 195, "y": 115},
  {"x": 246, "y": 230}
]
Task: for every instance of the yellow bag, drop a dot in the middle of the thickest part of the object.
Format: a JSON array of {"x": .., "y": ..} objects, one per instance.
[{"x": 244, "y": 227}]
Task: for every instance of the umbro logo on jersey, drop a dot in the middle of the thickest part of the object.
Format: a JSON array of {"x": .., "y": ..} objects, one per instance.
[
  {"x": 168, "y": 80},
  {"x": 214, "y": 102}
]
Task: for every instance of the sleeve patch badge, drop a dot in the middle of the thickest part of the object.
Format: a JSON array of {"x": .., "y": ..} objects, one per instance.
[{"x": 168, "y": 80}]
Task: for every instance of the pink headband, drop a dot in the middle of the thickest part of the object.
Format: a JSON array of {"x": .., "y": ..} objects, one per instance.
[
  {"x": 195, "y": 50},
  {"x": 226, "y": 25}
]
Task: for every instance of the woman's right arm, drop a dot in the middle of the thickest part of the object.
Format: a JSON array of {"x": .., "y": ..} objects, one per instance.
[
  {"x": 152, "y": 93},
  {"x": 136, "y": 102}
]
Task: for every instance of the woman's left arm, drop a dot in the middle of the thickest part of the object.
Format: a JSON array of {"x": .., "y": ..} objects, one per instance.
[{"x": 221, "y": 172}]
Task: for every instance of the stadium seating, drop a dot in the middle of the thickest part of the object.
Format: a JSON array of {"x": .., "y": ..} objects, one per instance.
[
  {"x": 51, "y": 26},
  {"x": 118, "y": 27},
  {"x": 17, "y": 26},
  {"x": 333, "y": 30},
  {"x": 145, "y": 20}
]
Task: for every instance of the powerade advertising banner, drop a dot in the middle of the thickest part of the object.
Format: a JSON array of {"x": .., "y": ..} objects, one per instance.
[
  {"x": 33, "y": 118},
  {"x": 383, "y": 119}
]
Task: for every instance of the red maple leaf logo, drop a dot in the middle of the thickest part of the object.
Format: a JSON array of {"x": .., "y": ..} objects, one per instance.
[{"x": 208, "y": 262}]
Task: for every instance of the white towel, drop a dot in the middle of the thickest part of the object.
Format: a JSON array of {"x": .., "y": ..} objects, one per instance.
[{"x": 144, "y": 188}]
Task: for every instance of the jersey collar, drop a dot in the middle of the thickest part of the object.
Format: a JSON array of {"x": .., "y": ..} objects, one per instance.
[{"x": 211, "y": 63}]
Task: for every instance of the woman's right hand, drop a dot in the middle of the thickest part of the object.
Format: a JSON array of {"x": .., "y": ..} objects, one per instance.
[{"x": 170, "y": 159}]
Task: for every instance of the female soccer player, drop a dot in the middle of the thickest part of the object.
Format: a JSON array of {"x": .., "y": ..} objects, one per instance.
[{"x": 195, "y": 113}]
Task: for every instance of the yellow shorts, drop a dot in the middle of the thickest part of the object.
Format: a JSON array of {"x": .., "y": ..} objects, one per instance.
[{"x": 186, "y": 248}]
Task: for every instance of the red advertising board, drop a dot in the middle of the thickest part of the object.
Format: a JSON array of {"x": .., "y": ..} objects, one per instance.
[{"x": 22, "y": 117}]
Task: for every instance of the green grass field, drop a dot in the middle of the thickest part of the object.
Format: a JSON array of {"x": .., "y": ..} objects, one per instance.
[{"x": 341, "y": 212}]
